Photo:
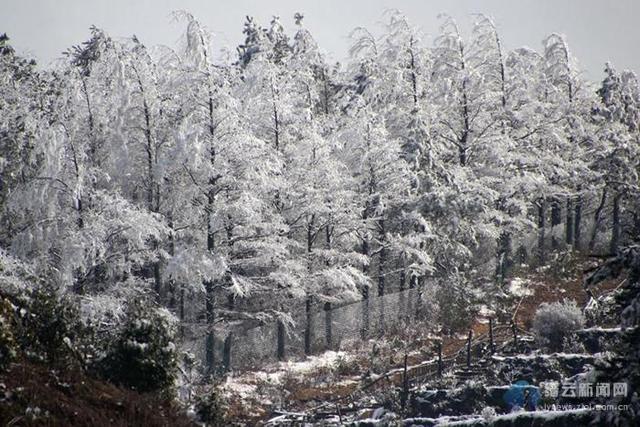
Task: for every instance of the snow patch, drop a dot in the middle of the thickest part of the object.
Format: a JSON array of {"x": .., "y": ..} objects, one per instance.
[
  {"x": 520, "y": 287},
  {"x": 245, "y": 385},
  {"x": 312, "y": 363}
]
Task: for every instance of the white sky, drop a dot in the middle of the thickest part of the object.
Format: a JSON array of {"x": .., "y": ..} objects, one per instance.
[{"x": 597, "y": 30}]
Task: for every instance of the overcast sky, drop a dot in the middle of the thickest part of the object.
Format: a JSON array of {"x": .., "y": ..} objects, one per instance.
[{"x": 597, "y": 30}]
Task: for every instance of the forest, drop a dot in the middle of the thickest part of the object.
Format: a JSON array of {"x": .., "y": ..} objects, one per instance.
[{"x": 157, "y": 203}]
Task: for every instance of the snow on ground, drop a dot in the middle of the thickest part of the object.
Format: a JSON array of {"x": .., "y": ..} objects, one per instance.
[
  {"x": 311, "y": 363},
  {"x": 485, "y": 313},
  {"x": 246, "y": 384},
  {"x": 522, "y": 416},
  {"x": 236, "y": 386},
  {"x": 600, "y": 329},
  {"x": 547, "y": 356},
  {"x": 520, "y": 287}
]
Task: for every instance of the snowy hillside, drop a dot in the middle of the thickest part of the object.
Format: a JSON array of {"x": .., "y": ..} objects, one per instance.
[{"x": 439, "y": 231}]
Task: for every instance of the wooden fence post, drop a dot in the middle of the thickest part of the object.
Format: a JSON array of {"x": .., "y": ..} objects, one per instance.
[
  {"x": 439, "y": 358},
  {"x": 469, "y": 348},
  {"x": 280, "y": 353},
  {"x": 491, "y": 343},
  {"x": 405, "y": 385},
  {"x": 328, "y": 324}
]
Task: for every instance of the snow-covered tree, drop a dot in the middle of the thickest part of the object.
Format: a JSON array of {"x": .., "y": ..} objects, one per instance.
[{"x": 615, "y": 163}]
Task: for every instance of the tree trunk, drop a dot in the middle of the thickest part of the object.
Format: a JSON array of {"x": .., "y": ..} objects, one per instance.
[
  {"x": 418, "y": 306},
  {"x": 280, "y": 350},
  {"x": 365, "y": 312},
  {"x": 402, "y": 298},
  {"x": 556, "y": 219},
  {"x": 541, "y": 232},
  {"x": 93, "y": 148},
  {"x": 615, "y": 229},
  {"x": 596, "y": 219},
  {"x": 210, "y": 337},
  {"x": 382, "y": 258},
  {"x": 231, "y": 302},
  {"x": 80, "y": 220},
  {"x": 440, "y": 364},
  {"x": 365, "y": 289},
  {"x": 569, "y": 223},
  {"x": 181, "y": 311},
  {"x": 577, "y": 223},
  {"x": 210, "y": 298},
  {"x": 325, "y": 92},
  {"x": 327, "y": 235},
  {"x": 522, "y": 255},
  {"x": 328, "y": 324},
  {"x": 309, "y": 318},
  {"x": 276, "y": 119},
  {"x": 152, "y": 158},
  {"x": 157, "y": 279},
  {"x": 308, "y": 327},
  {"x": 466, "y": 129},
  {"x": 381, "y": 279},
  {"x": 226, "y": 352},
  {"x": 172, "y": 249},
  {"x": 503, "y": 259},
  {"x": 462, "y": 155},
  {"x": 413, "y": 281},
  {"x": 181, "y": 305},
  {"x": 412, "y": 68}
]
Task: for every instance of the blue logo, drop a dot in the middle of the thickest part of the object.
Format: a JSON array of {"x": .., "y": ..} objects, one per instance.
[{"x": 522, "y": 395}]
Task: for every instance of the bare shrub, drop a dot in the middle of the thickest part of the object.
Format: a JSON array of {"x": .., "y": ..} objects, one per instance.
[{"x": 556, "y": 321}]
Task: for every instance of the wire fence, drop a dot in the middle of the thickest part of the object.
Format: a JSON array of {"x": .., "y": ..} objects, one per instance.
[{"x": 323, "y": 328}]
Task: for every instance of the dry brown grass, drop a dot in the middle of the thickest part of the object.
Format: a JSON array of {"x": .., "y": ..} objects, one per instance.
[
  {"x": 71, "y": 398},
  {"x": 550, "y": 287}
]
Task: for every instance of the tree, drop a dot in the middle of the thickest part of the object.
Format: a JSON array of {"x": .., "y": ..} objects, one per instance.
[
  {"x": 565, "y": 90},
  {"x": 617, "y": 114},
  {"x": 143, "y": 356},
  {"x": 22, "y": 108},
  {"x": 233, "y": 183}
]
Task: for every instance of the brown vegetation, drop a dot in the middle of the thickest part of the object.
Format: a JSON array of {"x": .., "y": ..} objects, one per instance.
[{"x": 31, "y": 394}]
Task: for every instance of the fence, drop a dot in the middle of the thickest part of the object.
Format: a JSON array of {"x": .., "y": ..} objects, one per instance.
[
  {"x": 406, "y": 379},
  {"x": 325, "y": 328}
]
